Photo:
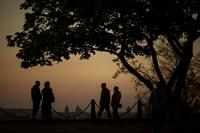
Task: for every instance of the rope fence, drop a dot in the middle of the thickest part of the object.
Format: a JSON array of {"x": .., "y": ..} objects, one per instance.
[
  {"x": 105, "y": 113},
  {"x": 141, "y": 109},
  {"x": 128, "y": 111},
  {"x": 15, "y": 116}
]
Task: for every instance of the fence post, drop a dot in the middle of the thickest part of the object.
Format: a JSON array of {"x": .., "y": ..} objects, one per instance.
[
  {"x": 93, "y": 111},
  {"x": 139, "y": 109}
]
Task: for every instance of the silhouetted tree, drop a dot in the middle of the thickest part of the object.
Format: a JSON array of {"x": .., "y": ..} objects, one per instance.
[
  {"x": 167, "y": 62},
  {"x": 56, "y": 29}
]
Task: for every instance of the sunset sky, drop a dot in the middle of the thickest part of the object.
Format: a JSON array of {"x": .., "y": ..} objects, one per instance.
[{"x": 74, "y": 82}]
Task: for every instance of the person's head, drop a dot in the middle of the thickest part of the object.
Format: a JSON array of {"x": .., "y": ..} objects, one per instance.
[
  {"x": 116, "y": 88},
  {"x": 37, "y": 83},
  {"x": 103, "y": 85},
  {"x": 47, "y": 84}
]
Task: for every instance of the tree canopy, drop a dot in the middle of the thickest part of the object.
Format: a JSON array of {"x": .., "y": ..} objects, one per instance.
[{"x": 56, "y": 29}]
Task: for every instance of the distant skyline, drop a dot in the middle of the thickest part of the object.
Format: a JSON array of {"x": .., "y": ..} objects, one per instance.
[{"x": 74, "y": 82}]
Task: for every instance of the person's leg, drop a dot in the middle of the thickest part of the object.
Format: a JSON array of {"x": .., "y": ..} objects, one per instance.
[
  {"x": 117, "y": 114},
  {"x": 108, "y": 113},
  {"x": 45, "y": 112},
  {"x": 114, "y": 112},
  {"x": 35, "y": 109},
  {"x": 49, "y": 114},
  {"x": 100, "y": 112}
]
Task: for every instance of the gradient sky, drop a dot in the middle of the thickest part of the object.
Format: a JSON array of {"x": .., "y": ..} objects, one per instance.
[{"x": 74, "y": 82}]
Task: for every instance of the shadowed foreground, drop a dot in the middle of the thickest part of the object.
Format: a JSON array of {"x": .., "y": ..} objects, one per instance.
[{"x": 98, "y": 127}]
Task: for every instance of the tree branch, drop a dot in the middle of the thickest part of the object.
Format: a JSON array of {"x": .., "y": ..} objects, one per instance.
[
  {"x": 174, "y": 44},
  {"x": 155, "y": 61},
  {"x": 197, "y": 27},
  {"x": 147, "y": 82}
]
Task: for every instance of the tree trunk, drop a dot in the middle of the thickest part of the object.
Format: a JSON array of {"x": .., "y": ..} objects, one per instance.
[{"x": 176, "y": 104}]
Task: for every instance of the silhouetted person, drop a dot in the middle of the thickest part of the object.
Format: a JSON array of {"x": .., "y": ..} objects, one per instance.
[
  {"x": 48, "y": 98},
  {"x": 104, "y": 101},
  {"x": 115, "y": 102},
  {"x": 157, "y": 102},
  {"x": 36, "y": 98}
]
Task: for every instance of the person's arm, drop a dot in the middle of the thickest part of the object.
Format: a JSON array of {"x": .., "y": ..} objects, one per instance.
[
  {"x": 40, "y": 94},
  {"x": 32, "y": 93},
  {"x": 119, "y": 96}
]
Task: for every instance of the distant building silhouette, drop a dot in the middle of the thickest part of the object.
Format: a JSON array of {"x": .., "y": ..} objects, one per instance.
[
  {"x": 78, "y": 109},
  {"x": 66, "y": 109}
]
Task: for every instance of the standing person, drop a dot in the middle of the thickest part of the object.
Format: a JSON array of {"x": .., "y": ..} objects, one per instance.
[
  {"x": 157, "y": 102},
  {"x": 36, "y": 98},
  {"x": 48, "y": 98},
  {"x": 104, "y": 101},
  {"x": 115, "y": 102}
]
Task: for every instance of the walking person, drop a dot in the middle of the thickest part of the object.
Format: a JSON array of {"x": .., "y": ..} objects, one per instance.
[
  {"x": 48, "y": 99},
  {"x": 104, "y": 101},
  {"x": 36, "y": 98},
  {"x": 115, "y": 102}
]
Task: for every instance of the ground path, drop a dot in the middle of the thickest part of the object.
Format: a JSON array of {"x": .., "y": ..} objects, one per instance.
[{"x": 97, "y": 127}]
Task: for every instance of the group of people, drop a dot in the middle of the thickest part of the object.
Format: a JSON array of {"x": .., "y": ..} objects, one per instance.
[
  {"x": 105, "y": 102},
  {"x": 157, "y": 100},
  {"x": 47, "y": 97}
]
